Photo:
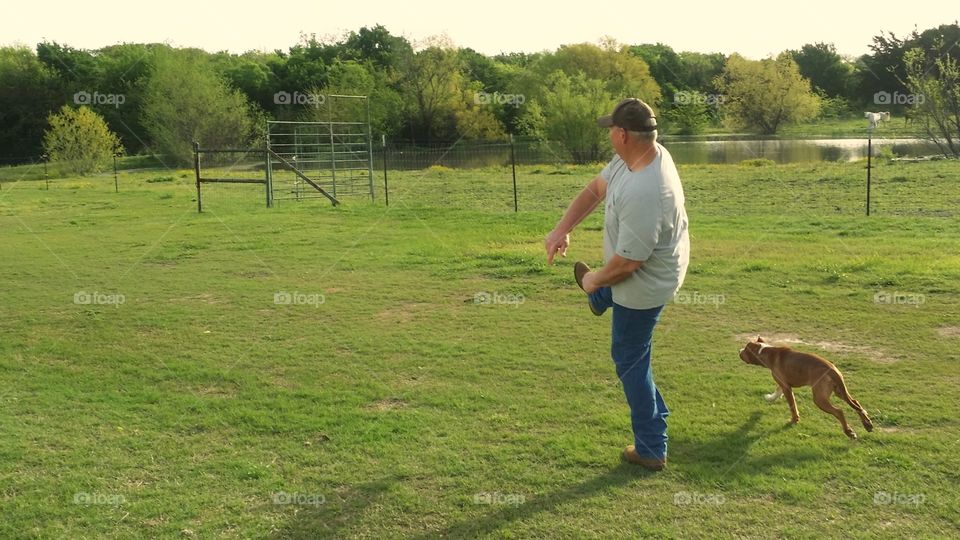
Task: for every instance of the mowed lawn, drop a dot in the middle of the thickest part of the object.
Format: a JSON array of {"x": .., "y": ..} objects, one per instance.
[{"x": 419, "y": 371}]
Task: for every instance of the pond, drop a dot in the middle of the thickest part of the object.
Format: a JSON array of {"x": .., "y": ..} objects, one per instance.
[{"x": 792, "y": 151}]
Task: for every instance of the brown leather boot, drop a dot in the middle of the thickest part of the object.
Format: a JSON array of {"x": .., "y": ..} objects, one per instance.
[
  {"x": 579, "y": 269},
  {"x": 631, "y": 456}
]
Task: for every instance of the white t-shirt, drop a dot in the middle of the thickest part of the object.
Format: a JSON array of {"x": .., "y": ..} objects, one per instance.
[{"x": 645, "y": 220}]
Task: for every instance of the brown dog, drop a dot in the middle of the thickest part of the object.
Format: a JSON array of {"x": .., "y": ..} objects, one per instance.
[{"x": 793, "y": 369}]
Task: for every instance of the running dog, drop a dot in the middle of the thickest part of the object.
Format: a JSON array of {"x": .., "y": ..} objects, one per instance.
[{"x": 793, "y": 369}]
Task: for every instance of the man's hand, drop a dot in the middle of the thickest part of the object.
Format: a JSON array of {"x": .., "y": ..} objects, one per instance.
[{"x": 556, "y": 242}]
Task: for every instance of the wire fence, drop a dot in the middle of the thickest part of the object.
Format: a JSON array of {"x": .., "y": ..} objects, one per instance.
[{"x": 528, "y": 175}]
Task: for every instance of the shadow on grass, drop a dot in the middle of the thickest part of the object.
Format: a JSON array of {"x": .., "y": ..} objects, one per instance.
[
  {"x": 719, "y": 461},
  {"x": 727, "y": 459},
  {"x": 474, "y": 527},
  {"x": 329, "y": 519}
]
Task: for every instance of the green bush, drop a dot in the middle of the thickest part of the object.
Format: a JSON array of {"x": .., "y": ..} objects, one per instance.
[
  {"x": 758, "y": 162},
  {"x": 159, "y": 179},
  {"x": 80, "y": 140}
]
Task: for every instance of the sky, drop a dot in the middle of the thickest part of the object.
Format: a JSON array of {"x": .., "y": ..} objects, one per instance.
[{"x": 754, "y": 29}]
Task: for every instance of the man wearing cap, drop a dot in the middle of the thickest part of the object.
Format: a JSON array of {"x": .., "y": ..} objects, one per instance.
[{"x": 646, "y": 249}]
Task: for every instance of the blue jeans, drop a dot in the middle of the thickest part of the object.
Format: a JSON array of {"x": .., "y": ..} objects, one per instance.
[{"x": 631, "y": 347}]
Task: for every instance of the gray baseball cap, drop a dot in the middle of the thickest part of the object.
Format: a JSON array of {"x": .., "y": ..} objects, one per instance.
[{"x": 630, "y": 114}]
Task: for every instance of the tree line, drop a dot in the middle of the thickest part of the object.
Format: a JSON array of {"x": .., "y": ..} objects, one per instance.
[{"x": 153, "y": 98}]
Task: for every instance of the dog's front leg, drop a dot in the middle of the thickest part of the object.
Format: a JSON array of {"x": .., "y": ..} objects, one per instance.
[
  {"x": 774, "y": 396},
  {"x": 792, "y": 401}
]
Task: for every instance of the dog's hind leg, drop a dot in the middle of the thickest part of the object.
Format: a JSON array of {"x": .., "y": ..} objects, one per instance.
[
  {"x": 840, "y": 387},
  {"x": 822, "y": 391}
]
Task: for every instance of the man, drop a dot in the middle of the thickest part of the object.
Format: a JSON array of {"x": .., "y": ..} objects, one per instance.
[{"x": 646, "y": 249}]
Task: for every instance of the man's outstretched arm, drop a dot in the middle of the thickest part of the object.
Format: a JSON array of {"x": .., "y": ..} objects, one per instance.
[{"x": 582, "y": 206}]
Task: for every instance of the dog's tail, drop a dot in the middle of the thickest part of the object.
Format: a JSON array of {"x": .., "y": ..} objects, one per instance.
[{"x": 840, "y": 388}]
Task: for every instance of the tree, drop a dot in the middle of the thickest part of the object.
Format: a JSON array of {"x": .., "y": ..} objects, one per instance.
[
  {"x": 28, "y": 92},
  {"x": 186, "y": 101},
  {"x": 75, "y": 67},
  {"x": 475, "y": 116},
  {"x": 935, "y": 87},
  {"x": 687, "y": 82},
  {"x": 352, "y": 78},
  {"x": 304, "y": 67},
  {"x": 122, "y": 70},
  {"x": 571, "y": 106},
  {"x": 431, "y": 84},
  {"x": 825, "y": 68},
  {"x": 699, "y": 71},
  {"x": 378, "y": 46},
  {"x": 885, "y": 70},
  {"x": 81, "y": 139},
  {"x": 665, "y": 66},
  {"x": 621, "y": 73},
  {"x": 764, "y": 95},
  {"x": 250, "y": 73},
  {"x": 688, "y": 116}
]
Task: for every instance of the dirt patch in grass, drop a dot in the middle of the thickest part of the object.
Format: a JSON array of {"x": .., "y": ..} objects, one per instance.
[
  {"x": 893, "y": 429},
  {"x": 789, "y": 340},
  {"x": 205, "y": 298},
  {"x": 400, "y": 314},
  {"x": 215, "y": 391},
  {"x": 388, "y": 404},
  {"x": 949, "y": 331}
]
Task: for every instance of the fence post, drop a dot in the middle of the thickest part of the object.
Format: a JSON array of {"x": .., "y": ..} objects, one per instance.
[
  {"x": 513, "y": 165},
  {"x": 369, "y": 150},
  {"x": 46, "y": 177},
  {"x": 116, "y": 183},
  {"x": 869, "y": 165},
  {"x": 386, "y": 189},
  {"x": 196, "y": 169},
  {"x": 269, "y": 168},
  {"x": 266, "y": 173}
]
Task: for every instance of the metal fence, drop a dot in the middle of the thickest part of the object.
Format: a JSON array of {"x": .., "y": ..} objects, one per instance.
[{"x": 528, "y": 175}]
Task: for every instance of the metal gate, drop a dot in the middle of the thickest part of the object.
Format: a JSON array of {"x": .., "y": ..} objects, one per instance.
[{"x": 332, "y": 158}]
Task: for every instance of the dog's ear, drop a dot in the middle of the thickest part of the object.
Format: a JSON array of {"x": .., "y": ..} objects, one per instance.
[{"x": 760, "y": 340}]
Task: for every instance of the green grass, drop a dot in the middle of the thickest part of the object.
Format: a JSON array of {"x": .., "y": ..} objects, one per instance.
[
  {"x": 391, "y": 404},
  {"x": 822, "y": 128},
  {"x": 56, "y": 170},
  {"x": 855, "y": 126}
]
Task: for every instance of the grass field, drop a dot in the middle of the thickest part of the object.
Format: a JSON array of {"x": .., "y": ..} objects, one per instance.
[{"x": 418, "y": 371}]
